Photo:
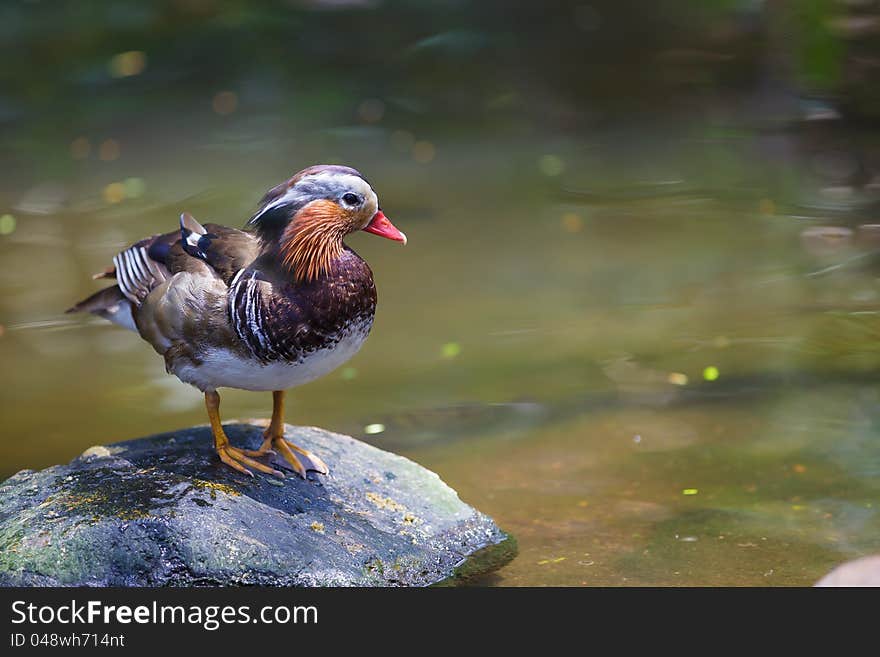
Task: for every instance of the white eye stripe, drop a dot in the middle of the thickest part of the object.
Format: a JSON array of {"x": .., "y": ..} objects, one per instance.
[
  {"x": 318, "y": 186},
  {"x": 284, "y": 200}
]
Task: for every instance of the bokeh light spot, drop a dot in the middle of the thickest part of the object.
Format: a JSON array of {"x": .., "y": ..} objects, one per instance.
[
  {"x": 371, "y": 110},
  {"x": 402, "y": 141},
  {"x": 690, "y": 491},
  {"x": 551, "y": 165},
  {"x": 572, "y": 222},
  {"x": 7, "y": 224},
  {"x": 126, "y": 64},
  {"x": 225, "y": 102},
  {"x": 423, "y": 152},
  {"x": 114, "y": 193},
  {"x": 109, "y": 150},
  {"x": 450, "y": 350},
  {"x": 677, "y": 378},
  {"x": 711, "y": 373},
  {"x": 134, "y": 187},
  {"x": 372, "y": 429},
  {"x": 80, "y": 148}
]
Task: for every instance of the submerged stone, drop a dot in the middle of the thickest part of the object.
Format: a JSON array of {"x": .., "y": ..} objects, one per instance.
[{"x": 163, "y": 511}]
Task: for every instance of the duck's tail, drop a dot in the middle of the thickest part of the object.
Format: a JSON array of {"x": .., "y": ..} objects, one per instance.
[{"x": 109, "y": 303}]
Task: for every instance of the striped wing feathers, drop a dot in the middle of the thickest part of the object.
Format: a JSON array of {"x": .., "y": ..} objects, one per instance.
[{"x": 147, "y": 264}]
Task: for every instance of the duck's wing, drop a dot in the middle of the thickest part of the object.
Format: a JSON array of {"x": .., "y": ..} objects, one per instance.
[
  {"x": 212, "y": 250},
  {"x": 225, "y": 250},
  {"x": 137, "y": 270}
]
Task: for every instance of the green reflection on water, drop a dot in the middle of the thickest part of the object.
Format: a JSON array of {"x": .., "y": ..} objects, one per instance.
[{"x": 598, "y": 308}]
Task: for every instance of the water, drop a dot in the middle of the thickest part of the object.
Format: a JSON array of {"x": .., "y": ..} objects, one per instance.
[{"x": 646, "y": 346}]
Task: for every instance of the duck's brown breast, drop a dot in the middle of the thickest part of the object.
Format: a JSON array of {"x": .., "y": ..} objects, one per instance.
[{"x": 280, "y": 320}]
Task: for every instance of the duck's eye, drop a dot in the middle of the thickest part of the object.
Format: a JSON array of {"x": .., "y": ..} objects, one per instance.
[{"x": 351, "y": 199}]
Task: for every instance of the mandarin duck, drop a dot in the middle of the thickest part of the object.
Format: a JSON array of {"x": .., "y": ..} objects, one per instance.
[{"x": 274, "y": 306}]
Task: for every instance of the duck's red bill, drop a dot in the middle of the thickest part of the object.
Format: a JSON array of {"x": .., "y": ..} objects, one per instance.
[{"x": 381, "y": 226}]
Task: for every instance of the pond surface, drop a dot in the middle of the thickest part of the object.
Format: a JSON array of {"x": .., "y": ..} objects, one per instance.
[{"x": 638, "y": 346}]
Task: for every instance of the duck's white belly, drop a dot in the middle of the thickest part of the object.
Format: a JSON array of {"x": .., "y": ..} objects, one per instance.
[{"x": 221, "y": 368}]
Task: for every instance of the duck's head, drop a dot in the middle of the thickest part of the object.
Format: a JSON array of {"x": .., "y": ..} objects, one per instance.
[{"x": 307, "y": 217}]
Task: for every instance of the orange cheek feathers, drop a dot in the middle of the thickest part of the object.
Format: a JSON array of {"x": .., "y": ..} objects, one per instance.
[{"x": 313, "y": 238}]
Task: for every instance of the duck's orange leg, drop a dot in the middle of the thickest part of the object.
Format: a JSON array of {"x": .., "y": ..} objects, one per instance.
[
  {"x": 274, "y": 440},
  {"x": 232, "y": 456}
]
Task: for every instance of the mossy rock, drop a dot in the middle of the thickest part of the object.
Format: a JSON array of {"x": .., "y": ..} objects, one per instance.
[{"x": 163, "y": 511}]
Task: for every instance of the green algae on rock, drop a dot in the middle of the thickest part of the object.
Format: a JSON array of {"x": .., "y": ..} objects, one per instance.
[{"x": 161, "y": 511}]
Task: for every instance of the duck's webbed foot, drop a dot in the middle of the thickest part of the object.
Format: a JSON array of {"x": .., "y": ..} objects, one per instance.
[
  {"x": 274, "y": 442},
  {"x": 238, "y": 459},
  {"x": 301, "y": 460},
  {"x": 235, "y": 458}
]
